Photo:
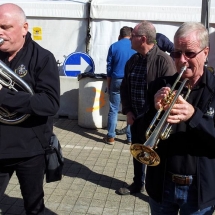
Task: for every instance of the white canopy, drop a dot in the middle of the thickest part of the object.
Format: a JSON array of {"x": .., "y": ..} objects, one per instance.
[
  {"x": 53, "y": 9},
  {"x": 154, "y": 10}
]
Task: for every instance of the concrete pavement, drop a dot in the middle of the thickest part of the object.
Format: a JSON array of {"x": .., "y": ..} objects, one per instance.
[{"x": 93, "y": 171}]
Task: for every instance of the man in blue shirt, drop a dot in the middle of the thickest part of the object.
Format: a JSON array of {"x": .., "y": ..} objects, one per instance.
[{"x": 118, "y": 54}]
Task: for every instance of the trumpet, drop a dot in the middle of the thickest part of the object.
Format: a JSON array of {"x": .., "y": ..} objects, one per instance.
[{"x": 159, "y": 128}]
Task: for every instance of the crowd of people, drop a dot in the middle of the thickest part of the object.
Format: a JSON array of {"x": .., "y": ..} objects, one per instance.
[{"x": 140, "y": 75}]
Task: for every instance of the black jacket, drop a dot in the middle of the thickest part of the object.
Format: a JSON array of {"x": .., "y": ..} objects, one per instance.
[
  {"x": 195, "y": 137},
  {"x": 158, "y": 64},
  {"x": 38, "y": 68}
]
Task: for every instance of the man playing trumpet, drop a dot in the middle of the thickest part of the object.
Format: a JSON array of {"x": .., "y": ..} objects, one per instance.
[{"x": 184, "y": 179}]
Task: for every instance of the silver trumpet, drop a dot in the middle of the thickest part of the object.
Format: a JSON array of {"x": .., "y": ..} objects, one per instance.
[
  {"x": 159, "y": 128},
  {"x": 12, "y": 81}
]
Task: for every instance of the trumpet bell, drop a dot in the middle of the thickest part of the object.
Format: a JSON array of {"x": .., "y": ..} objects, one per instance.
[{"x": 144, "y": 154}]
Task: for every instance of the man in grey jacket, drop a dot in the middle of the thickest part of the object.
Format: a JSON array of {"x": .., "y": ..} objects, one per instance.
[{"x": 145, "y": 66}]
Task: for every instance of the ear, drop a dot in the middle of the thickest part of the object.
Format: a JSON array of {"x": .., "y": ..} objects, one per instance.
[
  {"x": 206, "y": 51},
  {"x": 143, "y": 39},
  {"x": 25, "y": 29}
]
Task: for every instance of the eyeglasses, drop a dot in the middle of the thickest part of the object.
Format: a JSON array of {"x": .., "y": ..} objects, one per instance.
[{"x": 177, "y": 54}]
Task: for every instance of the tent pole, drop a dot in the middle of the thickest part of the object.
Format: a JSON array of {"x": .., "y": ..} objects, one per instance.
[
  {"x": 88, "y": 28},
  {"x": 205, "y": 14}
]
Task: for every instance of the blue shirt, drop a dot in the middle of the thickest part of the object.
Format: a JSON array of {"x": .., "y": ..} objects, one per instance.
[{"x": 118, "y": 54}]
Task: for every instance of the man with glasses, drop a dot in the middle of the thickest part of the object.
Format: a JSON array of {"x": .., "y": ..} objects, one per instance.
[
  {"x": 184, "y": 179},
  {"x": 165, "y": 45},
  {"x": 143, "y": 67}
]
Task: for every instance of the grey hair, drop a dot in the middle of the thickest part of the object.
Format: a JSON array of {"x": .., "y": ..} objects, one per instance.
[
  {"x": 147, "y": 29},
  {"x": 201, "y": 32}
]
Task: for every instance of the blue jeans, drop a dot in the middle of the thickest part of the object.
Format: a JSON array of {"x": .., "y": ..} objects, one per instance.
[
  {"x": 128, "y": 132},
  {"x": 114, "y": 101},
  {"x": 179, "y": 198}
]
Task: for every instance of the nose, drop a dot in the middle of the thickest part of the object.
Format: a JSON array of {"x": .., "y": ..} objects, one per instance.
[{"x": 183, "y": 58}]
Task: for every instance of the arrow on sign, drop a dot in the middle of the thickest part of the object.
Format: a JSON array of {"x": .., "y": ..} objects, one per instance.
[{"x": 83, "y": 67}]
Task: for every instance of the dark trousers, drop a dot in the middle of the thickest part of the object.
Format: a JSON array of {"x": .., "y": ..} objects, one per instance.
[
  {"x": 30, "y": 173},
  {"x": 139, "y": 168}
]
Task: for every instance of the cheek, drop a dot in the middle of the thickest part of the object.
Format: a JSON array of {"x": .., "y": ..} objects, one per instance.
[{"x": 178, "y": 65}]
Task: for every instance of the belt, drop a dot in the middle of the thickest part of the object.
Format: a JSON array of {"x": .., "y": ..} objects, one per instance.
[{"x": 181, "y": 179}]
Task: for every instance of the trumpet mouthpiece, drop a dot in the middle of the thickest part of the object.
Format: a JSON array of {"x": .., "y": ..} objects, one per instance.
[
  {"x": 183, "y": 68},
  {"x": 1, "y": 41}
]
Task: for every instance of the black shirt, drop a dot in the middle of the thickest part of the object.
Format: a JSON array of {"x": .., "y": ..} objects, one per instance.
[{"x": 182, "y": 153}]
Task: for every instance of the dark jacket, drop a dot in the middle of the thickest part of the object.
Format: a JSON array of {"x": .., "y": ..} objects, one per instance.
[
  {"x": 158, "y": 64},
  {"x": 38, "y": 68},
  {"x": 195, "y": 137},
  {"x": 164, "y": 43}
]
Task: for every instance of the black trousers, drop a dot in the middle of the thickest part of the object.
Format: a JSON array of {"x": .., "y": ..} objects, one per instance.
[
  {"x": 137, "y": 132},
  {"x": 30, "y": 173}
]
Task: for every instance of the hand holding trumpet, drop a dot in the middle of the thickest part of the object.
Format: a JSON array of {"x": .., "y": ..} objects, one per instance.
[{"x": 181, "y": 110}]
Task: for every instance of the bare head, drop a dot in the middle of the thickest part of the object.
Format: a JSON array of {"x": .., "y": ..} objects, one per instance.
[
  {"x": 143, "y": 37},
  {"x": 147, "y": 29},
  {"x": 191, "y": 47},
  {"x": 13, "y": 28},
  {"x": 189, "y": 27}
]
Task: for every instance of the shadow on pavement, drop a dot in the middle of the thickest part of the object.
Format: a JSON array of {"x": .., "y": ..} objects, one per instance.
[
  {"x": 11, "y": 205},
  {"x": 90, "y": 133},
  {"x": 78, "y": 170}
]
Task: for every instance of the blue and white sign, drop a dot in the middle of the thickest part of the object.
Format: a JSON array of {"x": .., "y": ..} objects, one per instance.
[{"x": 78, "y": 62}]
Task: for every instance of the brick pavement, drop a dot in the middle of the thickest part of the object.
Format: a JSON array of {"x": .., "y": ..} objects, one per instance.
[{"x": 92, "y": 172}]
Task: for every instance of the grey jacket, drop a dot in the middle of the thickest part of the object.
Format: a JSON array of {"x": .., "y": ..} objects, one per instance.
[{"x": 158, "y": 64}]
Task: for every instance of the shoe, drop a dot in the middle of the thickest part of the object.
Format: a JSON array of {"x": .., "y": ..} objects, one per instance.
[
  {"x": 131, "y": 189},
  {"x": 128, "y": 142},
  {"x": 108, "y": 140},
  {"x": 120, "y": 131}
]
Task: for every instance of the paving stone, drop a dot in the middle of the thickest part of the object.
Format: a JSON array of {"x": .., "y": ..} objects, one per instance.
[{"x": 92, "y": 173}]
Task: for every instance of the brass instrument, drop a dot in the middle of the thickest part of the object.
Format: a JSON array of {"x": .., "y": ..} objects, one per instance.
[
  {"x": 13, "y": 82},
  {"x": 144, "y": 153}
]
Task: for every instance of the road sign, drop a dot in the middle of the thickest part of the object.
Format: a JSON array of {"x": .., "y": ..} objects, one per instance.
[{"x": 77, "y": 63}]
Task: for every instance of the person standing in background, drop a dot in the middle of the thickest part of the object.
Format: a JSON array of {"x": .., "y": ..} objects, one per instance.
[
  {"x": 143, "y": 67},
  {"x": 165, "y": 45},
  {"x": 118, "y": 54}
]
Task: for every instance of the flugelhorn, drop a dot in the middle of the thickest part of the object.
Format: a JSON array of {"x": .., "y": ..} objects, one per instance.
[
  {"x": 159, "y": 128},
  {"x": 12, "y": 81}
]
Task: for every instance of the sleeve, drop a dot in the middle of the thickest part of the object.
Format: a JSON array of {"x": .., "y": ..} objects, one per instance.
[
  {"x": 168, "y": 67},
  {"x": 205, "y": 125},
  {"x": 164, "y": 43},
  {"x": 124, "y": 91},
  {"x": 109, "y": 62},
  {"x": 46, "y": 98}
]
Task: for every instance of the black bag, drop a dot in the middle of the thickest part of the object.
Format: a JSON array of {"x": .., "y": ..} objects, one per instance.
[
  {"x": 4, "y": 180},
  {"x": 53, "y": 156},
  {"x": 54, "y": 160}
]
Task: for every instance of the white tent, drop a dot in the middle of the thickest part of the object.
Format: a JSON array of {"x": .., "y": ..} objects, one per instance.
[
  {"x": 64, "y": 24},
  {"x": 62, "y": 27},
  {"x": 108, "y": 16}
]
